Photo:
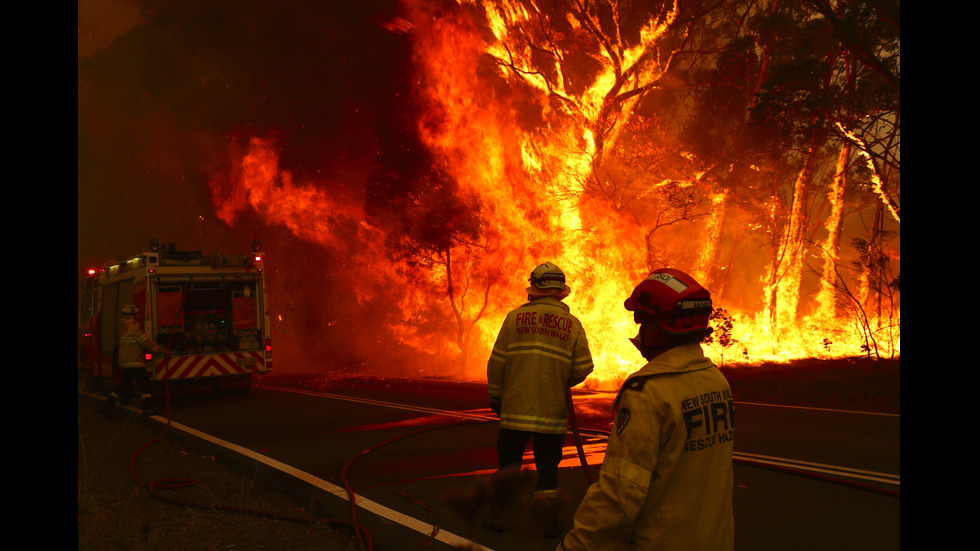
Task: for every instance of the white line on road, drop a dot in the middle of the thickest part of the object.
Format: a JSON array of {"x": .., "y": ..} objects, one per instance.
[
  {"x": 762, "y": 459},
  {"x": 362, "y": 502},
  {"x": 818, "y": 409},
  {"x": 821, "y": 468}
]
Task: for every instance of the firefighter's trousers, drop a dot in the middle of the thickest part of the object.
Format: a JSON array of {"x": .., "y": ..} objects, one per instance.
[
  {"x": 547, "y": 454},
  {"x": 132, "y": 378}
]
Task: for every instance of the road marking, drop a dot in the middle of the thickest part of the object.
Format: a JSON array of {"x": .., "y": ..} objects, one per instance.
[
  {"x": 818, "y": 409},
  {"x": 446, "y": 412},
  {"x": 762, "y": 459},
  {"x": 362, "y": 502},
  {"x": 821, "y": 468}
]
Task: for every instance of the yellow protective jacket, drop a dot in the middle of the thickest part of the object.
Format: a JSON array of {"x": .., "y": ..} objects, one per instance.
[
  {"x": 540, "y": 352},
  {"x": 666, "y": 480},
  {"x": 132, "y": 346}
]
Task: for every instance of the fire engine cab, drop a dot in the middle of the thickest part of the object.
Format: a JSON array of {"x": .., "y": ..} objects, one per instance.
[{"x": 210, "y": 311}]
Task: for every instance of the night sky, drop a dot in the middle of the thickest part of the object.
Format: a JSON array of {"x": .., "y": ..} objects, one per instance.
[{"x": 169, "y": 92}]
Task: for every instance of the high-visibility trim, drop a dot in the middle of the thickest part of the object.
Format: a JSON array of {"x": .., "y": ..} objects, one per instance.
[
  {"x": 498, "y": 355},
  {"x": 581, "y": 362},
  {"x": 533, "y": 424},
  {"x": 534, "y": 347},
  {"x": 209, "y": 365}
]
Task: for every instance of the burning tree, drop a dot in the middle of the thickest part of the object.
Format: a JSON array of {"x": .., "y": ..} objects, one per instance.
[
  {"x": 823, "y": 80},
  {"x": 437, "y": 240},
  {"x": 731, "y": 140},
  {"x": 721, "y": 337}
]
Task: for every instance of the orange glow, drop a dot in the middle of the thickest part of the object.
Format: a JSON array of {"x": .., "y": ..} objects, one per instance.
[{"x": 529, "y": 156}]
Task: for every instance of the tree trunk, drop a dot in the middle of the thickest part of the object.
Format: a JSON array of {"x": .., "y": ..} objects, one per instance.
[
  {"x": 827, "y": 298},
  {"x": 706, "y": 271},
  {"x": 786, "y": 268}
]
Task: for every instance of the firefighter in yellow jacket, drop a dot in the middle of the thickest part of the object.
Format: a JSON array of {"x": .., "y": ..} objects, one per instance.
[
  {"x": 541, "y": 351},
  {"x": 666, "y": 480},
  {"x": 132, "y": 365}
]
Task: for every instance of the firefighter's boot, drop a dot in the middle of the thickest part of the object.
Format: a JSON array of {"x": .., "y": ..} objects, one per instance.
[
  {"x": 546, "y": 512},
  {"x": 504, "y": 490},
  {"x": 147, "y": 407},
  {"x": 107, "y": 406}
]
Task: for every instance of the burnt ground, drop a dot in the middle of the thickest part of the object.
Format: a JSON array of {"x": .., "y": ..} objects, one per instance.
[{"x": 219, "y": 508}]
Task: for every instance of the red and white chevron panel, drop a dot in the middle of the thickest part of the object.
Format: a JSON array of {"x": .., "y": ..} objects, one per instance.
[{"x": 210, "y": 365}]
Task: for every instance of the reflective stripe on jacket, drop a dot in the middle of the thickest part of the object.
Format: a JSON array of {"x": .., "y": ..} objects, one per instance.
[
  {"x": 132, "y": 346},
  {"x": 540, "y": 352},
  {"x": 666, "y": 480}
]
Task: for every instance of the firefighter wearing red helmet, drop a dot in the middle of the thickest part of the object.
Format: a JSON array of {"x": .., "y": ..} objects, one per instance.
[
  {"x": 666, "y": 479},
  {"x": 132, "y": 365},
  {"x": 541, "y": 351}
]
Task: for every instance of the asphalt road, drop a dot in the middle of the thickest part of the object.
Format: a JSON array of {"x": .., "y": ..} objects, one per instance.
[{"x": 805, "y": 479}]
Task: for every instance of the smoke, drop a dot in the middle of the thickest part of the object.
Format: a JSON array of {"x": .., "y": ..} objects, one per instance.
[
  {"x": 101, "y": 21},
  {"x": 171, "y": 95}
]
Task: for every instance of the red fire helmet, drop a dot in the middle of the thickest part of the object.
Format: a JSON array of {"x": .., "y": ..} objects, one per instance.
[{"x": 673, "y": 299}]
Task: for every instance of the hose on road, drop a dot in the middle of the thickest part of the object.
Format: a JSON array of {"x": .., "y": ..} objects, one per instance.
[{"x": 577, "y": 437}]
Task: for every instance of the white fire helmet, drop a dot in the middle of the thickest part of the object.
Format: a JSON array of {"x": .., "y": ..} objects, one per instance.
[
  {"x": 678, "y": 303},
  {"x": 130, "y": 311},
  {"x": 548, "y": 280}
]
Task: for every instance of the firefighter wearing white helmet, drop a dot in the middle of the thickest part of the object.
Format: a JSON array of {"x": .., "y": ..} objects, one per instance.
[
  {"x": 541, "y": 351},
  {"x": 666, "y": 479},
  {"x": 547, "y": 280},
  {"x": 132, "y": 365}
]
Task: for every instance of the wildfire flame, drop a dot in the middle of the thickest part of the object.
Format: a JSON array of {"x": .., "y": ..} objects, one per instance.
[{"x": 523, "y": 138}]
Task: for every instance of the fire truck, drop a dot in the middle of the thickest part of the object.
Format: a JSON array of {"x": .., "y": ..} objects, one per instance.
[{"x": 210, "y": 311}]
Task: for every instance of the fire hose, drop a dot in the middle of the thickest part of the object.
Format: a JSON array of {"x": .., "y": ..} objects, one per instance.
[
  {"x": 176, "y": 483},
  {"x": 156, "y": 486},
  {"x": 577, "y": 437},
  {"x": 361, "y": 534},
  {"x": 363, "y": 538}
]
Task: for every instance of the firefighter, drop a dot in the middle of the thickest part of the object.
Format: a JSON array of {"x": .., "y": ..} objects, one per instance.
[
  {"x": 666, "y": 479},
  {"x": 541, "y": 352},
  {"x": 132, "y": 366}
]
